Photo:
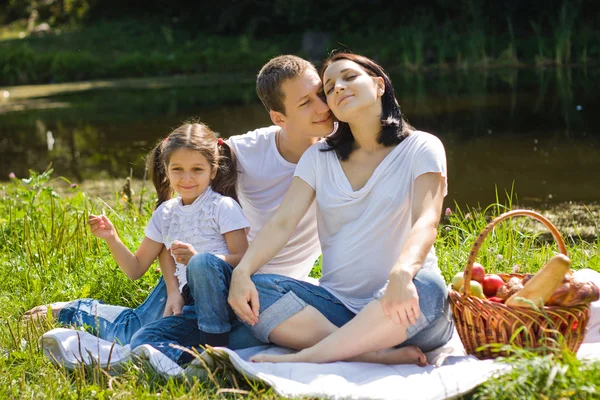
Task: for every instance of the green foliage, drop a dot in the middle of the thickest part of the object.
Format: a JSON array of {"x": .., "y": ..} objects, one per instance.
[
  {"x": 559, "y": 375},
  {"x": 90, "y": 41}
]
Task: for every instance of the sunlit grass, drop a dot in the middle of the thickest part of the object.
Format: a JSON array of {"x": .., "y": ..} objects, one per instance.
[{"x": 47, "y": 254}]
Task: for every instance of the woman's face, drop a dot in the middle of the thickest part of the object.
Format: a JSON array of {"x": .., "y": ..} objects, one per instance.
[{"x": 349, "y": 88}]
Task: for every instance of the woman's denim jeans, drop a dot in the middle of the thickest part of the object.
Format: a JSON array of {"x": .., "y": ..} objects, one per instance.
[
  {"x": 115, "y": 323},
  {"x": 282, "y": 297}
]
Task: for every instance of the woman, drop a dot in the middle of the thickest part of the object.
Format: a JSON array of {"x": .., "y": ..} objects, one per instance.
[{"x": 379, "y": 187}]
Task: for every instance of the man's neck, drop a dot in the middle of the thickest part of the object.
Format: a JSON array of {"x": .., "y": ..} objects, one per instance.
[{"x": 292, "y": 147}]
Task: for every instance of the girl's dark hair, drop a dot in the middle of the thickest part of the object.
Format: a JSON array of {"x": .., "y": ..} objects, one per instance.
[
  {"x": 394, "y": 128},
  {"x": 198, "y": 137}
]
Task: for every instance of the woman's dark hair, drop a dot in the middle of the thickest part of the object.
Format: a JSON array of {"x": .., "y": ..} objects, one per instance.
[
  {"x": 394, "y": 128},
  {"x": 198, "y": 137}
]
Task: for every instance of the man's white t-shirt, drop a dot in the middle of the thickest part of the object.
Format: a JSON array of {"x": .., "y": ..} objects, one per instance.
[
  {"x": 264, "y": 178},
  {"x": 362, "y": 232}
]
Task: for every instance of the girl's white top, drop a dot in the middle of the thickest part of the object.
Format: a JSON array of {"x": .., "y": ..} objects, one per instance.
[
  {"x": 201, "y": 224},
  {"x": 362, "y": 232}
]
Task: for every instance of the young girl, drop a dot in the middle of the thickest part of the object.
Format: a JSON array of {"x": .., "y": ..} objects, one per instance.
[{"x": 204, "y": 217}]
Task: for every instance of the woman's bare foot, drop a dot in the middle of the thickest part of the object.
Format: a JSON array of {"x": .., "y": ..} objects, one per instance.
[
  {"x": 394, "y": 356},
  {"x": 42, "y": 311},
  {"x": 403, "y": 355}
]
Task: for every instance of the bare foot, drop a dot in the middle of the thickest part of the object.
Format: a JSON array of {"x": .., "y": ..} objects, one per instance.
[
  {"x": 403, "y": 355},
  {"x": 42, "y": 311},
  {"x": 394, "y": 356},
  {"x": 278, "y": 358}
]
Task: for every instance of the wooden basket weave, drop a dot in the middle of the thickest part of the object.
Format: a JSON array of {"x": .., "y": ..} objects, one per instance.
[{"x": 481, "y": 322}]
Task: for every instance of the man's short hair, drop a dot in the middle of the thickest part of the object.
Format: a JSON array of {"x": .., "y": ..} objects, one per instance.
[{"x": 273, "y": 74}]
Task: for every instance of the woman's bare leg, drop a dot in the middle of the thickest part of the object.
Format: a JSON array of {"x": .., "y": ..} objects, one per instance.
[{"x": 369, "y": 337}]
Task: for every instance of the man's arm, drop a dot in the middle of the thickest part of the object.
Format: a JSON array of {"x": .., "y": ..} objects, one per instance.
[{"x": 270, "y": 240}]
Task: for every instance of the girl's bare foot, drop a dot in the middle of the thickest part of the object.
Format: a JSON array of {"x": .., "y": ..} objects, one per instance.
[
  {"x": 42, "y": 311},
  {"x": 403, "y": 355}
]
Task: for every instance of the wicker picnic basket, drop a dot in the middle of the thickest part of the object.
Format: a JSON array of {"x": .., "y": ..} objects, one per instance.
[{"x": 481, "y": 322}]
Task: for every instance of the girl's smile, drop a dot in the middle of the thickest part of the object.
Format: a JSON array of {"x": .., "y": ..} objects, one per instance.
[{"x": 189, "y": 174}]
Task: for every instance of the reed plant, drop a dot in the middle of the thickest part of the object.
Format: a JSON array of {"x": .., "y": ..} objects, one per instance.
[
  {"x": 563, "y": 33},
  {"x": 47, "y": 254}
]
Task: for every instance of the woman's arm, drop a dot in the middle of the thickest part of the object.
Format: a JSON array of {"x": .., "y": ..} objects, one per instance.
[
  {"x": 133, "y": 265},
  {"x": 270, "y": 240},
  {"x": 400, "y": 301}
]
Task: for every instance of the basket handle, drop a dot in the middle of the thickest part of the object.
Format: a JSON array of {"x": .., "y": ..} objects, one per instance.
[{"x": 479, "y": 241}]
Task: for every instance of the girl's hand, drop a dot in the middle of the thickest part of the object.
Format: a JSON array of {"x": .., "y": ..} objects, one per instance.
[
  {"x": 175, "y": 303},
  {"x": 400, "y": 301},
  {"x": 101, "y": 227},
  {"x": 182, "y": 252}
]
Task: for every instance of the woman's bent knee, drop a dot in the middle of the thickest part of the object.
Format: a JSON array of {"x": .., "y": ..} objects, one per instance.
[{"x": 433, "y": 294}]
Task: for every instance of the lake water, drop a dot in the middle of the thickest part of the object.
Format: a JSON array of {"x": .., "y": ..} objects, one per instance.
[{"x": 534, "y": 131}]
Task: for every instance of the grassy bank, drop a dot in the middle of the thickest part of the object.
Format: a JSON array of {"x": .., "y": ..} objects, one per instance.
[
  {"x": 134, "y": 48},
  {"x": 47, "y": 254}
]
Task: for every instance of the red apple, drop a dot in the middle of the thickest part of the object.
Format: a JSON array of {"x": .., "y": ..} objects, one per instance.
[
  {"x": 478, "y": 273},
  {"x": 491, "y": 284},
  {"x": 495, "y": 299}
]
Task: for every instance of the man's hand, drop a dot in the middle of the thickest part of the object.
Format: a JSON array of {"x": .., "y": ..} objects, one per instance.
[
  {"x": 175, "y": 303},
  {"x": 241, "y": 292},
  {"x": 401, "y": 300},
  {"x": 182, "y": 252}
]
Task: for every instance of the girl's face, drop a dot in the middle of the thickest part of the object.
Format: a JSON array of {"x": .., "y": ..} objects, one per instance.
[
  {"x": 349, "y": 89},
  {"x": 189, "y": 174}
]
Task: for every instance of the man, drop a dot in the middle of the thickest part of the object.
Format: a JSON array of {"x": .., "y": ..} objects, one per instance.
[{"x": 291, "y": 90}]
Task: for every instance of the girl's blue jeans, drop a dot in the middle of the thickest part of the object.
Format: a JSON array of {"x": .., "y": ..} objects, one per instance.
[
  {"x": 115, "y": 323},
  {"x": 207, "y": 320}
]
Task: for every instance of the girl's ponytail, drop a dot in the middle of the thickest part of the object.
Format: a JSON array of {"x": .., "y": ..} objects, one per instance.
[
  {"x": 226, "y": 178},
  {"x": 156, "y": 167}
]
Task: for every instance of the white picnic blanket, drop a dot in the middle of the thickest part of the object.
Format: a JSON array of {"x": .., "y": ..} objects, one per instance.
[{"x": 450, "y": 374}]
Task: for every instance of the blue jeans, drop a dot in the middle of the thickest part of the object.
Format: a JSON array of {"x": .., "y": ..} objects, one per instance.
[
  {"x": 282, "y": 297},
  {"x": 115, "y": 322},
  {"x": 207, "y": 320}
]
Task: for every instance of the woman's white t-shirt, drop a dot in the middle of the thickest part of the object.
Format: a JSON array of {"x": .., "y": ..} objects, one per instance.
[
  {"x": 201, "y": 224},
  {"x": 362, "y": 232}
]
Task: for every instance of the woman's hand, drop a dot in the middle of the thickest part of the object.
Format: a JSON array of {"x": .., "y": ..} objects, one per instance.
[
  {"x": 182, "y": 252},
  {"x": 175, "y": 303},
  {"x": 241, "y": 292},
  {"x": 400, "y": 301},
  {"x": 101, "y": 227}
]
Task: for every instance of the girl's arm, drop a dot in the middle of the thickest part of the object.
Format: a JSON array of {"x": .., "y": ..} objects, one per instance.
[
  {"x": 400, "y": 301},
  {"x": 175, "y": 301},
  {"x": 237, "y": 243},
  {"x": 270, "y": 240},
  {"x": 134, "y": 265}
]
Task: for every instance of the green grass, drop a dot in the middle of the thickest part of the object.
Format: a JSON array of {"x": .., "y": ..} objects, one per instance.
[{"x": 47, "y": 254}]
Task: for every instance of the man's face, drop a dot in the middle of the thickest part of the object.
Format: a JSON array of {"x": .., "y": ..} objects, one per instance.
[{"x": 306, "y": 112}]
